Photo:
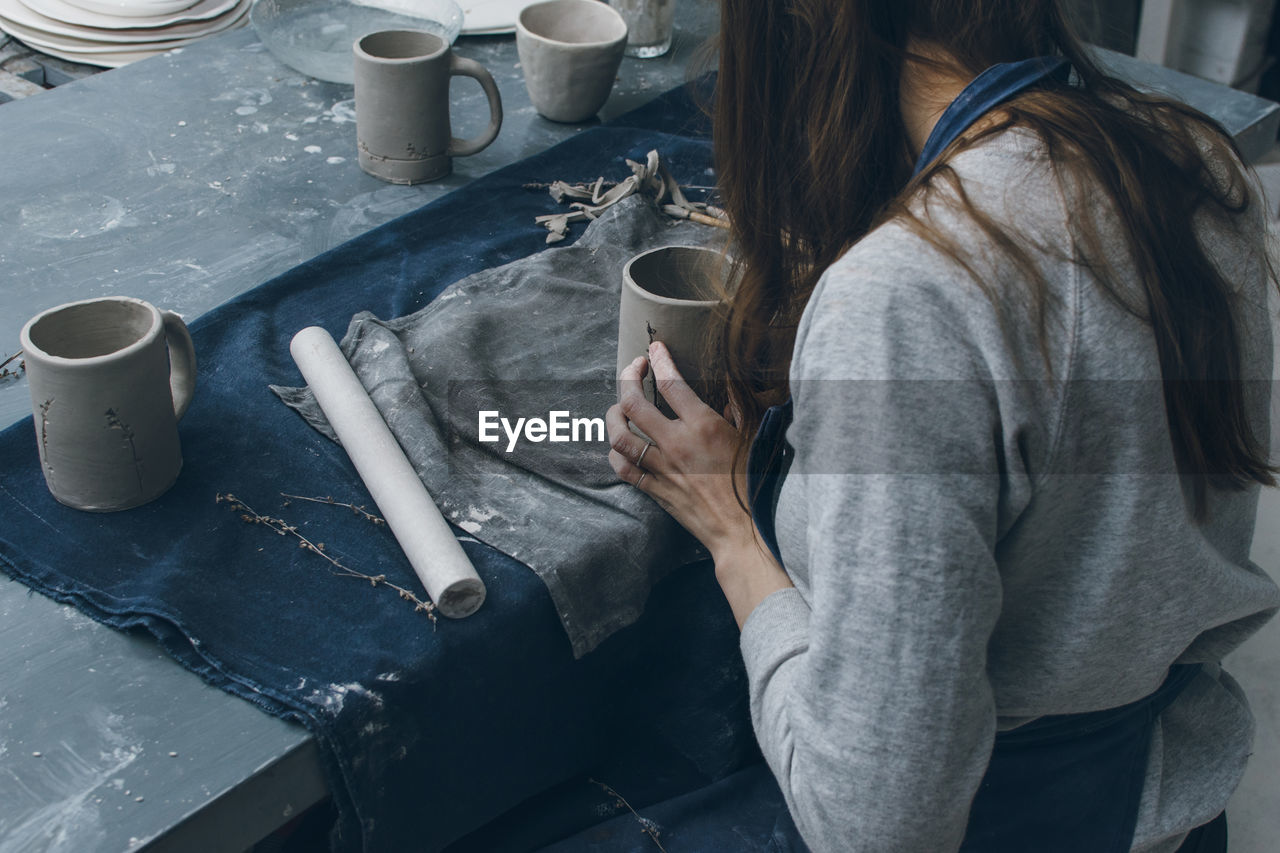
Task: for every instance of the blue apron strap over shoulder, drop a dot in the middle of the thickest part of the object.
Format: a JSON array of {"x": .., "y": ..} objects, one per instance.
[
  {"x": 770, "y": 457},
  {"x": 987, "y": 91},
  {"x": 1060, "y": 784}
]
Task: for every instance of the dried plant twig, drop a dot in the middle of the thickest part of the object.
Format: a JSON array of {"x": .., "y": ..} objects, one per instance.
[
  {"x": 647, "y": 826},
  {"x": 114, "y": 422},
  {"x": 329, "y": 500},
  {"x": 7, "y": 372},
  {"x": 282, "y": 528}
]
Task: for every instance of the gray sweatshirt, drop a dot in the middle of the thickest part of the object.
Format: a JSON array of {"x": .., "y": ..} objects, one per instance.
[{"x": 979, "y": 537}]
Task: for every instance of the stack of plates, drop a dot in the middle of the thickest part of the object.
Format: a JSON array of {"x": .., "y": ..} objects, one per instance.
[{"x": 115, "y": 32}]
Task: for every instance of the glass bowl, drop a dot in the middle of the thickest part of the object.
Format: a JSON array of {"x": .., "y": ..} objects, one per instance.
[{"x": 315, "y": 36}]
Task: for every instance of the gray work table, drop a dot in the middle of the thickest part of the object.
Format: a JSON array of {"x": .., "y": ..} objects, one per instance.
[{"x": 185, "y": 180}]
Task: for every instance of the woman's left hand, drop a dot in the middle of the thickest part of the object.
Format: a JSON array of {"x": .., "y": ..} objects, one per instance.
[{"x": 688, "y": 467}]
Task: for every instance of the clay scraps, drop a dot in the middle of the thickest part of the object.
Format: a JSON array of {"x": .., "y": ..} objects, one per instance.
[{"x": 651, "y": 178}]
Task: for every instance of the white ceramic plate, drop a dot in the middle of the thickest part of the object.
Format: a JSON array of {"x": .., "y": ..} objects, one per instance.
[
  {"x": 133, "y": 8},
  {"x": 87, "y": 49},
  {"x": 102, "y": 60},
  {"x": 490, "y": 17},
  {"x": 61, "y": 10},
  {"x": 18, "y": 13}
]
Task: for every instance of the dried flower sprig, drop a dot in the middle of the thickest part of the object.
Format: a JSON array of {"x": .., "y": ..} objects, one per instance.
[
  {"x": 653, "y": 336},
  {"x": 114, "y": 422},
  {"x": 7, "y": 372},
  {"x": 329, "y": 500},
  {"x": 647, "y": 826},
  {"x": 282, "y": 528}
]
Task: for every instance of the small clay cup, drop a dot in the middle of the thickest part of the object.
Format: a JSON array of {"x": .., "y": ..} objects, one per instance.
[
  {"x": 672, "y": 295},
  {"x": 402, "y": 106},
  {"x": 109, "y": 380},
  {"x": 570, "y": 51}
]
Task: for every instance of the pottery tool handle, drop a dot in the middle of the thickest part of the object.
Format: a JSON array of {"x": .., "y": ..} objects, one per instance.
[{"x": 414, "y": 518}]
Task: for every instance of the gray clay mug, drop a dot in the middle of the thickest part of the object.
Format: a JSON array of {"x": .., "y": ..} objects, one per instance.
[
  {"x": 570, "y": 51},
  {"x": 672, "y": 294},
  {"x": 402, "y": 106},
  {"x": 109, "y": 379}
]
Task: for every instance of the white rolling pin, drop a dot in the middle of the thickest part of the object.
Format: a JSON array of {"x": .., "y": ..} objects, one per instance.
[{"x": 414, "y": 518}]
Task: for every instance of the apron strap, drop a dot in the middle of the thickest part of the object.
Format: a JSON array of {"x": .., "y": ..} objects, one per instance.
[
  {"x": 770, "y": 456},
  {"x": 987, "y": 91}
]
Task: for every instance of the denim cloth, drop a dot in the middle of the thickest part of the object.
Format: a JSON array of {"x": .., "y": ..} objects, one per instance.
[
  {"x": 1061, "y": 784},
  {"x": 743, "y": 813},
  {"x": 427, "y": 731}
]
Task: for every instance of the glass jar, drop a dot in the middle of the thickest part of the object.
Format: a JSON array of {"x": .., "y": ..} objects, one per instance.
[{"x": 649, "y": 26}]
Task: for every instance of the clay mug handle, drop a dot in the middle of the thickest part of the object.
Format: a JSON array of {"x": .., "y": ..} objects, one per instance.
[
  {"x": 182, "y": 362},
  {"x": 461, "y": 66}
]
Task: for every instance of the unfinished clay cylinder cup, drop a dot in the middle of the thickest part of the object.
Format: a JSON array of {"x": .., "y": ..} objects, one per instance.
[
  {"x": 570, "y": 51},
  {"x": 109, "y": 379},
  {"x": 402, "y": 79},
  {"x": 672, "y": 294}
]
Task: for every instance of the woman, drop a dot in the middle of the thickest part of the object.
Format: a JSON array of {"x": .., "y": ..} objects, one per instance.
[{"x": 1003, "y": 496}]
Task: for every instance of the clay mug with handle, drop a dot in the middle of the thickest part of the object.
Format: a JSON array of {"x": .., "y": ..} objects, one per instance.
[
  {"x": 402, "y": 106},
  {"x": 109, "y": 378}
]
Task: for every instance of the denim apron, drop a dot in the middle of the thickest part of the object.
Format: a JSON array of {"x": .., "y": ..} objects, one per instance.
[{"x": 1060, "y": 784}]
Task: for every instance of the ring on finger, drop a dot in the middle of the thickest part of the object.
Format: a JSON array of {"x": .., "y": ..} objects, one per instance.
[
  {"x": 643, "y": 474},
  {"x": 640, "y": 458}
]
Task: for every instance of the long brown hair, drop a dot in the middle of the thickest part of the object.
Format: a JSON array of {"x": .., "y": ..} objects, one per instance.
[{"x": 813, "y": 153}]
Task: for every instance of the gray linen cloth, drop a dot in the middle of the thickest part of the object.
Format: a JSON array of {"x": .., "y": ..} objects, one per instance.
[{"x": 525, "y": 339}]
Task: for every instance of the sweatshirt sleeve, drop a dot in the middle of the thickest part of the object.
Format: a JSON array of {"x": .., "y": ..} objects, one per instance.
[{"x": 869, "y": 692}]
